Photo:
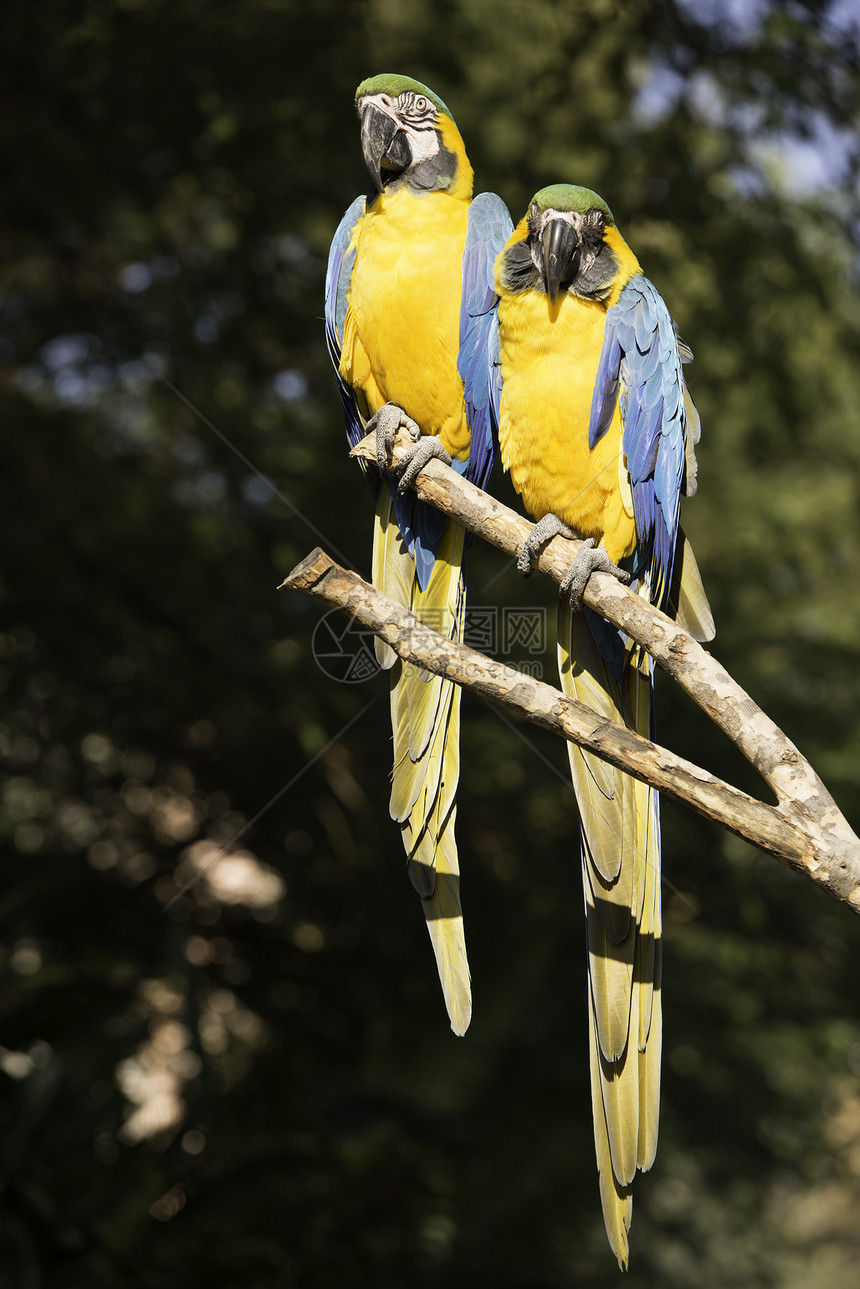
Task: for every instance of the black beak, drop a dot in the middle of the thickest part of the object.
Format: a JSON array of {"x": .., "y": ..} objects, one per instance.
[
  {"x": 561, "y": 255},
  {"x": 386, "y": 149}
]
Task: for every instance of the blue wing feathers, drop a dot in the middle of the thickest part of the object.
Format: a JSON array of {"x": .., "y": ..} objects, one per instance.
[
  {"x": 488, "y": 229},
  {"x": 651, "y": 360},
  {"x": 626, "y": 336},
  {"x": 671, "y": 401},
  {"x": 652, "y": 395},
  {"x": 641, "y": 358},
  {"x": 605, "y": 394},
  {"x": 338, "y": 274},
  {"x": 339, "y": 271},
  {"x": 649, "y": 320},
  {"x": 646, "y": 443}
]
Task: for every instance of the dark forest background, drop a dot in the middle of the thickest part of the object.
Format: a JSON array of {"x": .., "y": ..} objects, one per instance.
[{"x": 255, "y": 1084}]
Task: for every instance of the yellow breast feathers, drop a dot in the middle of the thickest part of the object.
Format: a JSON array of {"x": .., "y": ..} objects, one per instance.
[
  {"x": 401, "y": 335},
  {"x": 549, "y": 360}
]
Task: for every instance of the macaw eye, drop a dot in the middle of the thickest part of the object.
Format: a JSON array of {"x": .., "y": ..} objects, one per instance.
[{"x": 420, "y": 103}]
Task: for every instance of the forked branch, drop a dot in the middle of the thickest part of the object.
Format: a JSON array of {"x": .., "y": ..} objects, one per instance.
[{"x": 805, "y": 829}]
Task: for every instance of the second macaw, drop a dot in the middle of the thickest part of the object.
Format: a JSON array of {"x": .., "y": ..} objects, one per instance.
[
  {"x": 598, "y": 431},
  {"x": 413, "y": 335}
]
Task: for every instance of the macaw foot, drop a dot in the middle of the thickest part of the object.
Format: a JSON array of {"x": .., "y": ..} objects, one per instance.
[
  {"x": 591, "y": 559},
  {"x": 413, "y": 462},
  {"x": 542, "y": 533},
  {"x": 386, "y": 423}
]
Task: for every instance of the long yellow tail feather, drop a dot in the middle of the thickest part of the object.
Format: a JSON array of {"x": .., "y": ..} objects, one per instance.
[
  {"x": 621, "y": 882},
  {"x": 392, "y": 566},
  {"x": 425, "y": 721}
]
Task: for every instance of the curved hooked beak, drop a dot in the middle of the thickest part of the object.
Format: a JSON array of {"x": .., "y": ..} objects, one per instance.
[
  {"x": 561, "y": 255},
  {"x": 386, "y": 148}
]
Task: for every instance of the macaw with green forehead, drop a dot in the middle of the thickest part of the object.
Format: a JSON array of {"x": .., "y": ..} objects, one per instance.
[
  {"x": 413, "y": 335},
  {"x": 598, "y": 431}
]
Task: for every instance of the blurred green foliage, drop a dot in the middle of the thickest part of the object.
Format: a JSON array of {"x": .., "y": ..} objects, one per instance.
[{"x": 254, "y": 1084}]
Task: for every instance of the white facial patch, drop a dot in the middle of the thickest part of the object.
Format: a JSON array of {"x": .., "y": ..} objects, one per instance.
[
  {"x": 424, "y": 142},
  {"x": 571, "y": 217}
]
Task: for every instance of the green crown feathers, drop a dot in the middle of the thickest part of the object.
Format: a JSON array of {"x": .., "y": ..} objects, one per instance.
[
  {"x": 571, "y": 197},
  {"x": 389, "y": 83}
]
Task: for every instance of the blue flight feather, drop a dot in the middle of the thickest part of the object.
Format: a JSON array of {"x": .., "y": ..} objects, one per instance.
[
  {"x": 488, "y": 229},
  {"x": 651, "y": 360},
  {"x": 640, "y": 369},
  {"x": 647, "y": 312},
  {"x": 645, "y": 436},
  {"x": 605, "y": 396},
  {"x": 337, "y": 278}
]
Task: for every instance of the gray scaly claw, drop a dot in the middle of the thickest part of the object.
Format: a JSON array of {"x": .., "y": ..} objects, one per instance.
[
  {"x": 591, "y": 559},
  {"x": 541, "y": 534},
  {"x": 413, "y": 462},
  {"x": 387, "y": 423}
]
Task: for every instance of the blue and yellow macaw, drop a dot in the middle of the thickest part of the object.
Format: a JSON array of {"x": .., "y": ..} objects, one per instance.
[
  {"x": 413, "y": 335},
  {"x": 598, "y": 432}
]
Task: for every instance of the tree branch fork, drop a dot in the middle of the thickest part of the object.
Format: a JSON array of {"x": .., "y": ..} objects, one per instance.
[{"x": 804, "y": 830}]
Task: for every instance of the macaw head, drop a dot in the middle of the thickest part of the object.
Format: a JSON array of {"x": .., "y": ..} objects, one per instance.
[
  {"x": 408, "y": 137},
  {"x": 562, "y": 246}
]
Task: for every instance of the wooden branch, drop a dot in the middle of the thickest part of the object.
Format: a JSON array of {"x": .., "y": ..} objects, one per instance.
[
  {"x": 767, "y": 827},
  {"x": 802, "y": 798}
]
